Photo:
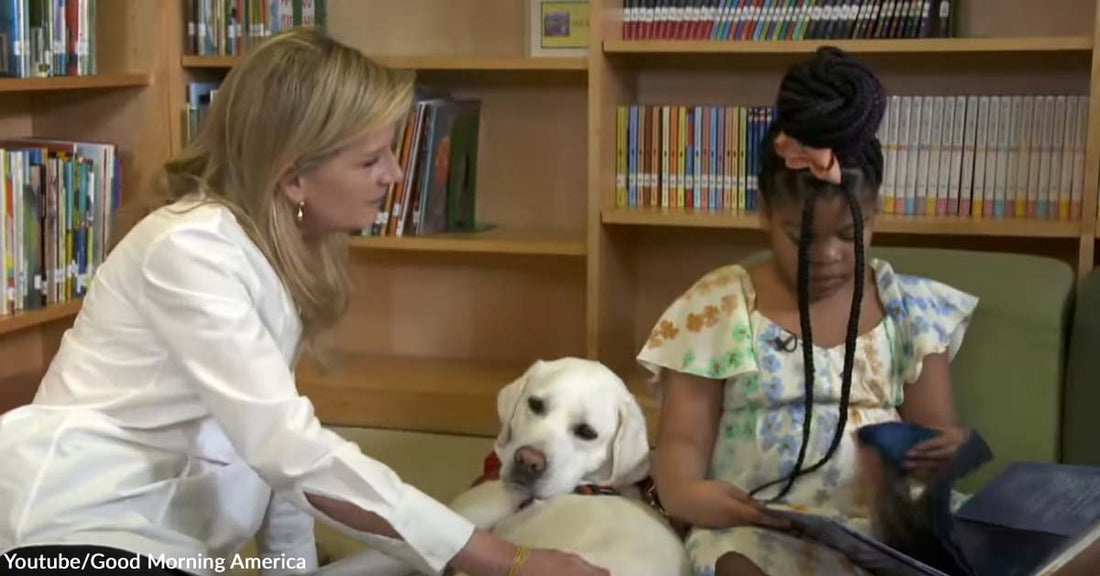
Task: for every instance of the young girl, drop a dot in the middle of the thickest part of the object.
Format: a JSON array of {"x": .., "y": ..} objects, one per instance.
[{"x": 736, "y": 354}]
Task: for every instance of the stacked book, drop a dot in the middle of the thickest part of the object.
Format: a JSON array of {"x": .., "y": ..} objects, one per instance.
[
  {"x": 231, "y": 27},
  {"x": 786, "y": 19},
  {"x": 57, "y": 202},
  {"x": 697, "y": 157},
  {"x": 41, "y": 38},
  {"x": 437, "y": 147}
]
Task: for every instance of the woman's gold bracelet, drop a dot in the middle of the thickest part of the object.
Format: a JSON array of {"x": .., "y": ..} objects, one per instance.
[{"x": 518, "y": 560}]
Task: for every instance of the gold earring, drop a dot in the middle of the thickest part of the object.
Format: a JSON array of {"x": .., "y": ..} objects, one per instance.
[{"x": 299, "y": 215}]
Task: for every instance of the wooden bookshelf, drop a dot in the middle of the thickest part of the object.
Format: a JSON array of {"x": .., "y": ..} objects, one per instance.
[
  {"x": 34, "y": 318},
  {"x": 489, "y": 242},
  {"x": 885, "y": 223},
  {"x": 64, "y": 83},
  {"x": 918, "y": 46},
  {"x": 124, "y": 103},
  {"x": 416, "y": 393},
  {"x": 456, "y": 63},
  {"x": 429, "y": 338}
]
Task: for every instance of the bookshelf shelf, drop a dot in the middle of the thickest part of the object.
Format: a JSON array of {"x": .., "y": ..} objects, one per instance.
[
  {"x": 62, "y": 83},
  {"x": 33, "y": 318},
  {"x": 415, "y": 393},
  {"x": 1022, "y": 44},
  {"x": 886, "y": 223},
  {"x": 455, "y": 63},
  {"x": 495, "y": 241}
]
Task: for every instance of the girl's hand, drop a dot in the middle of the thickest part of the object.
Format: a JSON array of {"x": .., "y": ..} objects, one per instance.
[
  {"x": 717, "y": 504},
  {"x": 931, "y": 457}
]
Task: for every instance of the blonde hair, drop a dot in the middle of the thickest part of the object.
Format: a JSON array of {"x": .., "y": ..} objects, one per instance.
[{"x": 291, "y": 103}]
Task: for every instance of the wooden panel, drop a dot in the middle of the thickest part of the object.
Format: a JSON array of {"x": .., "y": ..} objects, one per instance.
[
  {"x": 610, "y": 277},
  {"x": 15, "y": 118},
  {"x": 21, "y": 367},
  {"x": 495, "y": 241},
  {"x": 421, "y": 27},
  {"x": 487, "y": 307},
  {"x": 421, "y": 394},
  {"x": 1025, "y": 17},
  {"x": 17, "y": 390},
  {"x": 101, "y": 81},
  {"x": 1087, "y": 247},
  {"x": 34, "y": 318}
]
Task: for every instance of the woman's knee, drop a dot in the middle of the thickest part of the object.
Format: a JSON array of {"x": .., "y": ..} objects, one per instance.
[{"x": 734, "y": 564}]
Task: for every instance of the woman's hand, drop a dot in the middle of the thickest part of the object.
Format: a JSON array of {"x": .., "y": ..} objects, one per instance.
[
  {"x": 716, "y": 504},
  {"x": 557, "y": 563},
  {"x": 488, "y": 555},
  {"x": 930, "y": 458}
]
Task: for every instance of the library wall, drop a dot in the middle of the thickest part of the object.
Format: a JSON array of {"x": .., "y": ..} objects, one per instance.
[
  {"x": 493, "y": 308},
  {"x": 431, "y": 27}
]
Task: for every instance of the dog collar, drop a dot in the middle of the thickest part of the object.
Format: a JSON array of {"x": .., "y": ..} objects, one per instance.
[{"x": 490, "y": 470}]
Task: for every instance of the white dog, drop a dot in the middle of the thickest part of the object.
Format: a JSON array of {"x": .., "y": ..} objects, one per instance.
[{"x": 566, "y": 424}]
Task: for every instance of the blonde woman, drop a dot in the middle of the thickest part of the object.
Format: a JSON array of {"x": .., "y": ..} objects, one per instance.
[{"x": 168, "y": 427}]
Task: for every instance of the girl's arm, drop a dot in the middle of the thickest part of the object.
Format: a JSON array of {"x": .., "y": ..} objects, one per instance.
[
  {"x": 930, "y": 402},
  {"x": 690, "y": 411}
]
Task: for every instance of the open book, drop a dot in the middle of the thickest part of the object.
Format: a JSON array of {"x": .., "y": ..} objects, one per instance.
[{"x": 1034, "y": 519}]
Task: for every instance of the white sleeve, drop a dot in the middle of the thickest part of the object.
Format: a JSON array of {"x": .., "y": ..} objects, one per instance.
[
  {"x": 199, "y": 295},
  {"x": 287, "y": 532}
]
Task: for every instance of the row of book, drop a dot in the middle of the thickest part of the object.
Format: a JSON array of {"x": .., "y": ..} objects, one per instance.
[
  {"x": 985, "y": 156},
  {"x": 437, "y": 147},
  {"x": 786, "y": 19},
  {"x": 42, "y": 38},
  {"x": 697, "y": 157},
  {"x": 57, "y": 202},
  {"x": 972, "y": 156},
  {"x": 231, "y": 27}
]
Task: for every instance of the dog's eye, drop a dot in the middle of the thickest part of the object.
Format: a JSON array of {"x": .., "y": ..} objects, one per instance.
[
  {"x": 584, "y": 432},
  {"x": 537, "y": 405}
]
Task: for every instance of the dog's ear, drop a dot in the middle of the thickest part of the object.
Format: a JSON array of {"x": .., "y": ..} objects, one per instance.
[
  {"x": 630, "y": 447},
  {"x": 508, "y": 400}
]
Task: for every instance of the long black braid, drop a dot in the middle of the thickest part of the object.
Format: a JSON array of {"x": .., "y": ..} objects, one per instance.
[{"x": 833, "y": 102}]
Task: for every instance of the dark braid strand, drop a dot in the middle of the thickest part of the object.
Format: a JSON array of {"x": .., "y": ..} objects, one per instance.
[
  {"x": 850, "y": 337},
  {"x": 830, "y": 101}
]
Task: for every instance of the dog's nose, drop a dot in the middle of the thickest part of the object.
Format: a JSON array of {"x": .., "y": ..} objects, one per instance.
[{"x": 530, "y": 461}]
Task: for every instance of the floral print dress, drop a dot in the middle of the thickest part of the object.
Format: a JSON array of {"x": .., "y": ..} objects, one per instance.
[{"x": 713, "y": 330}]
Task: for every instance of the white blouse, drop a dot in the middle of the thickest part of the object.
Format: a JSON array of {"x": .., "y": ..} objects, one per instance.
[{"x": 169, "y": 421}]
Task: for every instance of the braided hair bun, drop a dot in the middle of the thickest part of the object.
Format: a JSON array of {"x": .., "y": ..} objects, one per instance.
[{"x": 834, "y": 101}]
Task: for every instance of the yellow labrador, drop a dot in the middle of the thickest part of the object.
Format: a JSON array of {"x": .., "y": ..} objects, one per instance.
[{"x": 566, "y": 424}]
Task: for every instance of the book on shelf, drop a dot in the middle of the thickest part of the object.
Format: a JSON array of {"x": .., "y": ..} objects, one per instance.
[
  {"x": 437, "y": 148},
  {"x": 951, "y": 156},
  {"x": 749, "y": 20},
  {"x": 200, "y": 95},
  {"x": 231, "y": 27},
  {"x": 43, "y": 38},
  {"x": 58, "y": 199}
]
